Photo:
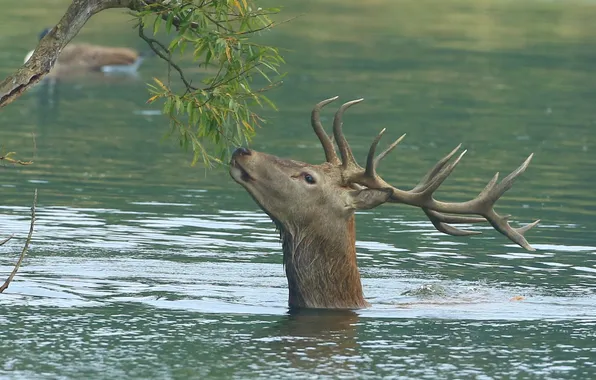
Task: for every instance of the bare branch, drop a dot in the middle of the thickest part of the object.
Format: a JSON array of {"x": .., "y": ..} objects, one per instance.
[
  {"x": 5, "y": 240},
  {"x": 25, "y": 247}
]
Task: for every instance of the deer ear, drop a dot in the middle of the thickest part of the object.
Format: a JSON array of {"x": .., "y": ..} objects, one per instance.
[{"x": 369, "y": 198}]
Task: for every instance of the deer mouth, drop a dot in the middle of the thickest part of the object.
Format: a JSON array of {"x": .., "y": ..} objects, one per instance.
[{"x": 237, "y": 171}]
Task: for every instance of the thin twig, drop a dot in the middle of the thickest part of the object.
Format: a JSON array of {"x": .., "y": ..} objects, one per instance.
[
  {"x": 240, "y": 74},
  {"x": 152, "y": 42},
  {"x": 266, "y": 88},
  {"x": 34, "y": 145},
  {"x": 5, "y": 240},
  {"x": 18, "y": 264},
  {"x": 218, "y": 24}
]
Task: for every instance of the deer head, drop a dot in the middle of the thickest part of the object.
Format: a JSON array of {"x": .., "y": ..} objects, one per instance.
[{"x": 313, "y": 207}]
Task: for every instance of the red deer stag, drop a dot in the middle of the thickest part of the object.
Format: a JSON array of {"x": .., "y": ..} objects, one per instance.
[{"x": 313, "y": 207}]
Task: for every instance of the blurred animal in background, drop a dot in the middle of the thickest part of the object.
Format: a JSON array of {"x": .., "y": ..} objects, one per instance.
[
  {"x": 83, "y": 57},
  {"x": 80, "y": 64}
]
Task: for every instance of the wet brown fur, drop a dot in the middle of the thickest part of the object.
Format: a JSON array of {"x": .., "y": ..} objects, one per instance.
[
  {"x": 321, "y": 268},
  {"x": 316, "y": 224}
]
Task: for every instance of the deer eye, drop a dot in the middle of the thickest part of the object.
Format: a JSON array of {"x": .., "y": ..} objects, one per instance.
[{"x": 309, "y": 179}]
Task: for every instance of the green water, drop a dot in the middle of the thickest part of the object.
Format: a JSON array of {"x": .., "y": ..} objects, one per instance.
[{"x": 144, "y": 267}]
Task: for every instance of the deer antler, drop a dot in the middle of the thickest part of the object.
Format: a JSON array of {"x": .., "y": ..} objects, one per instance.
[
  {"x": 422, "y": 194},
  {"x": 315, "y": 120}
]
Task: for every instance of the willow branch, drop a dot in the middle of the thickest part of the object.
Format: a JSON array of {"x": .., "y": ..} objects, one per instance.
[
  {"x": 25, "y": 247},
  {"x": 152, "y": 42},
  {"x": 215, "y": 84}
]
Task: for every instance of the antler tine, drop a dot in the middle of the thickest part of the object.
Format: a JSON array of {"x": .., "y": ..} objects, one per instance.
[
  {"x": 440, "y": 222},
  {"x": 327, "y": 142},
  {"x": 516, "y": 235},
  {"x": 371, "y": 161},
  {"x": 527, "y": 227},
  {"x": 347, "y": 157},
  {"x": 507, "y": 182},
  {"x": 370, "y": 158},
  {"x": 489, "y": 196},
  {"x": 388, "y": 150},
  {"x": 435, "y": 169},
  {"x": 434, "y": 182},
  {"x": 445, "y": 218}
]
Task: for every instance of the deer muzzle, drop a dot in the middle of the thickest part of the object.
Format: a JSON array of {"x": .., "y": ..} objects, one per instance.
[{"x": 238, "y": 171}]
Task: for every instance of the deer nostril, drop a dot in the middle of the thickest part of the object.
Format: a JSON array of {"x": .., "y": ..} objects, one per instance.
[{"x": 242, "y": 151}]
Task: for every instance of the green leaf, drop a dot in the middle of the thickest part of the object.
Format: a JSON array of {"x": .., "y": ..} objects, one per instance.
[
  {"x": 156, "y": 24},
  {"x": 169, "y": 22}
]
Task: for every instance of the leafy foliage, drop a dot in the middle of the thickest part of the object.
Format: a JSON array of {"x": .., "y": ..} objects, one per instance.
[{"x": 219, "y": 34}]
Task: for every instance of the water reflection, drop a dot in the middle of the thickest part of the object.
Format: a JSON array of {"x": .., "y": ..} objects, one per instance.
[
  {"x": 54, "y": 90},
  {"x": 314, "y": 340}
]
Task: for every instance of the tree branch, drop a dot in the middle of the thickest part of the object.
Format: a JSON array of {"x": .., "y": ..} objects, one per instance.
[
  {"x": 5, "y": 240},
  {"x": 152, "y": 42},
  {"x": 22, "y": 256},
  {"x": 49, "y": 48}
]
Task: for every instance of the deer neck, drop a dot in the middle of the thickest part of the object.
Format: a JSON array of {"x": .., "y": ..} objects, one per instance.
[{"x": 321, "y": 268}]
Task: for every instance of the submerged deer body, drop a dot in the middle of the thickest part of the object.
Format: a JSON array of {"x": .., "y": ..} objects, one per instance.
[{"x": 313, "y": 206}]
